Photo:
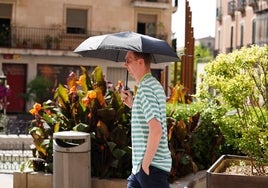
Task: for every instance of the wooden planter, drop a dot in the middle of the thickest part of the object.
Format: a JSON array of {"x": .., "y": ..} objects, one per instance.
[
  {"x": 42, "y": 180},
  {"x": 32, "y": 179},
  {"x": 216, "y": 179}
]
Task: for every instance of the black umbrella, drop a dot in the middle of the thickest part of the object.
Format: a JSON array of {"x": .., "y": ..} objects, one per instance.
[{"x": 115, "y": 46}]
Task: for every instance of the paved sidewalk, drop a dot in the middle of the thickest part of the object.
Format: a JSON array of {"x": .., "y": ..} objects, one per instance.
[
  {"x": 197, "y": 181},
  {"x": 6, "y": 180}
]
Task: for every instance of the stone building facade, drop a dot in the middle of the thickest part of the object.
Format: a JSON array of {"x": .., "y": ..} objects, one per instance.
[
  {"x": 240, "y": 23},
  {"x": 38, "y": 38}
]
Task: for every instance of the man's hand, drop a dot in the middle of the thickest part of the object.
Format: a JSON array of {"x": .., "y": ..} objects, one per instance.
[
  {"x": 145, "y": 168},
  {"x": 127, "y": 97}
]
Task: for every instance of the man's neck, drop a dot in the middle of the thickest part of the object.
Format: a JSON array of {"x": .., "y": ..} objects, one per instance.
[{"x": 143, "y": 74}]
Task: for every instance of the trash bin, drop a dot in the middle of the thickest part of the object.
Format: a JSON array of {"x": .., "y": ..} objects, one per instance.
[{"x": 71, "y": 160}]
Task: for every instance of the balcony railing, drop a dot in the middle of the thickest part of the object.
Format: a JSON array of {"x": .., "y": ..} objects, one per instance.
[
  {"x": 254, "y": 4},
  {"x": 157, "y": 1},
  {"x": 160, "y": 4},
  {"x": 219, "y": 13},
  {"x": 241, "y": 5},
  {"x": 231, "y": 8},
  {"x": 42, "y": 38}
]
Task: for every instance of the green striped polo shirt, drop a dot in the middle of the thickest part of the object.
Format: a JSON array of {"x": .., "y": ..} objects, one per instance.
[{"x": 149, "y": 102}]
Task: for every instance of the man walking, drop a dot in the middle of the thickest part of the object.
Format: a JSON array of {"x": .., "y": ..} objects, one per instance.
[{"x": 151, "y": 159}]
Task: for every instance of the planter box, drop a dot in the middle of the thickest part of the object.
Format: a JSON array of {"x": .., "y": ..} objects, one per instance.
[
  {"x": 216, "y": 179},
  {"x": 108, "y": 183},
  {"x": 42, "y": 180},
  {"x": 32, "y": 179}
]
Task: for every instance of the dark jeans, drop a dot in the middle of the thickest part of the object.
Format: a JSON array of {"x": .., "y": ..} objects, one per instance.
[{"x": 157, "y": 178}]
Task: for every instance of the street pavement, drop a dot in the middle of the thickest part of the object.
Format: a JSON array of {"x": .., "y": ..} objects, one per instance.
[{"x": 6, "y": 180}]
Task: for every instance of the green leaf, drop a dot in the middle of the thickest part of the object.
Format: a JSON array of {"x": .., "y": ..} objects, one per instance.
[
  {"x": 118, "y": 153},
  {"x": 63, "y": 97},
  {"x": 111, "y": 145},
  {"x": 81, "y": 127},
  {"x": 37, "y": 133},
  {"x": 98, "y": 79}
]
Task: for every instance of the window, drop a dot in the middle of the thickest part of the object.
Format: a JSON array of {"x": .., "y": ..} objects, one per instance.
[
  {"x": 5, "y": 33},
  {"x": 114, "y": 74},
  {"x": 76, "y": 21},
  {"x": 264, "y": 23},
  {"x": 241, "y": 35},
  {"x": 219, "y": 40},
  {"x": 147, "y": 24},
  {"x": 231, "y": 38},
  {"x": 253, "y": 32},
  {"x": 5, "y": 10},
  {"x": 58, "y": 74},
  {"x": 231, "y": 7},
  {"x": 5, "y": 26}
]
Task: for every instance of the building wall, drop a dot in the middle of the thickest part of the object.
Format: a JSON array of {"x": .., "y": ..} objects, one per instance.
[
  {"x": 207, "y": 42},
  {"x": 228, "y": 39},
  {"x": 103, "y": 16}
]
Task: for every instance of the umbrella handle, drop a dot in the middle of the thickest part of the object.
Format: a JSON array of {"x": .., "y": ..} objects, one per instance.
[{"x": 126, "y": 81}]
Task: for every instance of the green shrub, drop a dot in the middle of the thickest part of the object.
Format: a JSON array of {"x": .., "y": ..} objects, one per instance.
[
  {"x": 195, "y": 141},
  {"x": 237, "y": 84}
]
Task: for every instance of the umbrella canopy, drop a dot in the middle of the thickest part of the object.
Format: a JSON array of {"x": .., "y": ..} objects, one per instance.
[{"x": 115, "y": 46}]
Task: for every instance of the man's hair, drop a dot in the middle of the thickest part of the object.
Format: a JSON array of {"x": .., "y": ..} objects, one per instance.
[{"x": 146, "y": 56}]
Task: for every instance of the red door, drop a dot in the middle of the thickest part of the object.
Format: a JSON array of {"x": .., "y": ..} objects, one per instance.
[{"x": 16, "y": 79}]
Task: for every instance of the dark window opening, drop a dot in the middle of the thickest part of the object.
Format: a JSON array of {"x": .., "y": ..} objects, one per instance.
[
  {"x": 5, "y": 33},
  {"x": 242, "y": 36},
  {"x": 147, "y": 24},
  {"x": 5, "y": 28},
  {"x": 141, "y": 28},
  {"x": 76, "y": 21},
  {"x": 253, "y": 32},
  {"x": 231, "y": 39}
]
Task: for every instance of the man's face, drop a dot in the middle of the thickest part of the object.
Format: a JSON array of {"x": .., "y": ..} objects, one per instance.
[{"x": 132, "y": 64}]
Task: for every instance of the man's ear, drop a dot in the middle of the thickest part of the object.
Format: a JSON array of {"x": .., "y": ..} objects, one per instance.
[{"x": 141, "y": 61}]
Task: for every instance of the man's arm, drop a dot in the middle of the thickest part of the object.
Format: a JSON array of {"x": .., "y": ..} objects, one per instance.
[{"x": 154, "y": 137}]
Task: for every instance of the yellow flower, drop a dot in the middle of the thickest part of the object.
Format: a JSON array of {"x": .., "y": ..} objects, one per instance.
[
  {"x": 85, "y": 101},
  {"x": 119, "y": 85},
  {"x": 73, "y": 89},
  {"x": 92, "y": 94},
  {"x": 80, "y": 81},
  {"x": 36, "y": 108}
]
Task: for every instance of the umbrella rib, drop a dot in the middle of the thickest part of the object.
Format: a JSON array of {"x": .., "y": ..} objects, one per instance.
[
  {"x": 117, "y": 57},
  {"x": 153, "y": 57}
]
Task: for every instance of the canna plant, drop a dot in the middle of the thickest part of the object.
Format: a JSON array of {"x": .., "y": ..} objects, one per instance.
[
  {"x": 178, "y": 114},
  {"x": 194, "y": 141},
  {"x": 85, "y": 105}
]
